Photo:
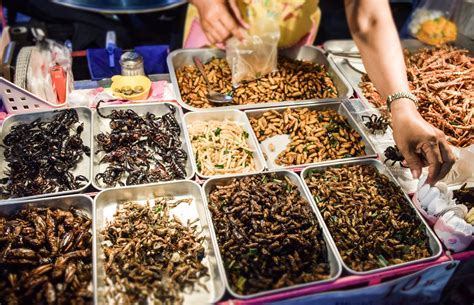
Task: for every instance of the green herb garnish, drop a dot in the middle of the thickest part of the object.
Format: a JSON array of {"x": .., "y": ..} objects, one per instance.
[
  {"x": 382, "y": 261},
  {"x": 219, "y": 166},
  {"x": 241, "y": 283},
  {"x": 217, "y": 132}
]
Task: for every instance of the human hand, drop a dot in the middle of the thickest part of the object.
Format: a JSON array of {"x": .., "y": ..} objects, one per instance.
[
  {"x": 217, "y": 20},
  {"x": 420, "y": 143}
]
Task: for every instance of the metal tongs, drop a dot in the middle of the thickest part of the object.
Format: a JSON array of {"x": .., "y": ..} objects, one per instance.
[{"x": 345, "y": 54}]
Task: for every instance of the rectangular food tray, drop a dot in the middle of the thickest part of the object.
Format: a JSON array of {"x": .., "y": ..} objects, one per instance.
[
  {"x": 221, "y": 115},
  {"x": 100, "y": 124},
  {"x": 337, "y": 106},
  {"x": 335, "y": 267},
  {"x": 82, "y": 168},
  {"x": 106, "y": 203},
  {"x": 435, "y": 244},
  {"x": 182, "y": 57},
  {"x": 78, "y": 201}
]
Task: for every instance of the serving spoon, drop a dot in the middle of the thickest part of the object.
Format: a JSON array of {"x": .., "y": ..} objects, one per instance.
[{"x": 213, "y": 96}]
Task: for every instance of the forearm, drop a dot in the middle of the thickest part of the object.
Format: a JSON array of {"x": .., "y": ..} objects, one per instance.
[{"x": 375, "y": 34}]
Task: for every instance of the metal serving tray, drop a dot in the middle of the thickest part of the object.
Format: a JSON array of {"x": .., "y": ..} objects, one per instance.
[
  {"x": 182, "y": 57},
  {"x": 435, "y": 244},
  {"x": 63, "y": 202},
  {"x": 82, "y": 168},
  {"x": 106, "y": 204},
  {"x": 221, "y": 115},
  {"x": 100, "y": 124},
  {"x": 281, "y": 143},
  {"x": 335, "y": 267}
]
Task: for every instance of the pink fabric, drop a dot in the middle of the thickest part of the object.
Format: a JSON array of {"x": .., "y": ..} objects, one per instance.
[
  {"x": 157, "y": 89},
  {"x": 196, "y": 37}
]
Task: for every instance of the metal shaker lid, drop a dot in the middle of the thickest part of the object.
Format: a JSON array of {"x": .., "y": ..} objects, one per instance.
[{"x": 131, "y": 60}]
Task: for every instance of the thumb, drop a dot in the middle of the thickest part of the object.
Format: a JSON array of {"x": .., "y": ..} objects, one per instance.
[{"x": 414, "y": 162}]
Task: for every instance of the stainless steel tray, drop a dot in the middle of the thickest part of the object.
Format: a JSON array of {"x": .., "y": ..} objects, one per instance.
[
  {"x": 280, "y": 145},
  {"x": 182, "y": 57},
  {"x": 221, "y": 115},
  {"x": 435, "y": 244},
  {"x": 82, "y": 168},
  {"x": 64, "y": 202},
  {"x": 100, "y": 124},
  {"x": 335, "y": 267},
  {"x": 106, "y": 204}
]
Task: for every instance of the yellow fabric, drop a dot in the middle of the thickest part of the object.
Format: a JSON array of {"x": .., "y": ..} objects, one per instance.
[{"x": 297, "y": 18}]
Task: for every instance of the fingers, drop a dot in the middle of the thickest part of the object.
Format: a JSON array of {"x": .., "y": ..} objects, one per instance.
[
  {"x": 210, "y": 35},
  {"x": 231, "y": 26},
  {"x": 414, "y": 162},
  {"x": 219, "y": 29},
  {"x": 448, "y": 158},
  {"x": 433, "y": 156},
  {"x": 237, "y": 14}
]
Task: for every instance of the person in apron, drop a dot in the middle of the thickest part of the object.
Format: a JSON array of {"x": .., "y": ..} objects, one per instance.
[
  {"x": 374, "y": 32},
  {"x": 212, "y": 22}
]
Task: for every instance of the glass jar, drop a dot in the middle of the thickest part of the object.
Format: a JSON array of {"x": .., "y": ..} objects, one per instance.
[{"x": 132, "y": 64}]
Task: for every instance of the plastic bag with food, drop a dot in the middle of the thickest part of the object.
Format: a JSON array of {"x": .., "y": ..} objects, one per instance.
[
  {"x": 433, "y": 21},
  {"x": 256, "y": 55}
]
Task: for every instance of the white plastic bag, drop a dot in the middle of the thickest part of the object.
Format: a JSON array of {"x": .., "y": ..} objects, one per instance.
[
  {"x": 44, "y": 56},
  {"x": 256, "y": 55}
]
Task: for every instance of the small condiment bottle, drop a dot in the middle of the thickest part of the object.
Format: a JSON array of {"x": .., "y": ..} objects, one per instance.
[{"x": 132, "y": 64}]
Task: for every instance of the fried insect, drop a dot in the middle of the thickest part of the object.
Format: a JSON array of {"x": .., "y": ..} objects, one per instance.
[
  {"x": 46, "y": 257},
  {"x": 267, "y": 233},
  {"x": 464, "y": 195},
  {"x": 316, "y": 135},
  {"x": 294, "y": 80},
  {"x": 368, "y": 217},
  {"x": 441, "y": 79},
  {"x": 392, "y": 153},
  {"x": 150, "y": 255},
  {"x": 375, "y": 123},
  {"x": 140, "y": 149},
  {"x": 41, "y": 156}
]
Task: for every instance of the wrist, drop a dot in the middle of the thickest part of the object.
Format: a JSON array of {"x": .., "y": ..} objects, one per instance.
[
  {"x": 402, "y": 106},
  {"x": 403, "y": 109}
]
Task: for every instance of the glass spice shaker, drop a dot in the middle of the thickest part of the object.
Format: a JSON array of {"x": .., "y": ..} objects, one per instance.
[{"x": 132, "y": 64}]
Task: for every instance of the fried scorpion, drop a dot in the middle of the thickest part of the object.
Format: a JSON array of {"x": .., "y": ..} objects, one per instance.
[
  {"x": 42, "y": 154},
  {"x": 140, "y": 149}
]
